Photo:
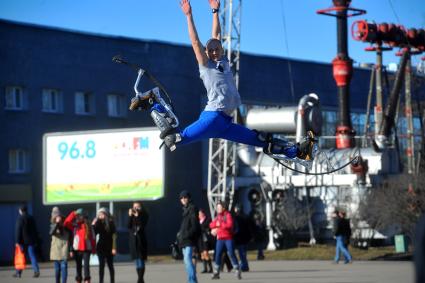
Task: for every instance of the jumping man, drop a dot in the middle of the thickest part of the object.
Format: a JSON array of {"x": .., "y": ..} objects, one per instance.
[{"x": 223, "y": 98}]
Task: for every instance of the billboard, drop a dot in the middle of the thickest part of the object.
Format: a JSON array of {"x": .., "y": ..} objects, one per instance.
[{"x": 104, "y": 165}]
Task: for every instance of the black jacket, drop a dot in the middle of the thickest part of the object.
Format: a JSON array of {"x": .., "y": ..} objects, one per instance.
[
  {"x": 138, "y": 240},
  {"x": 26, "y": 230},
  {"x": 205, "y": 240},
  {"x": 342, "y": 227},
  {"x": 105, "y": 242},
  {"x": 419, "y": 253},
  {"x": 244, "y": 229},
  {"x": 190, "y": 228}
]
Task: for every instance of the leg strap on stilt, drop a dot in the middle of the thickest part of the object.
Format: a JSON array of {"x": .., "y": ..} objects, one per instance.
[{"x": 162, "y": 122}]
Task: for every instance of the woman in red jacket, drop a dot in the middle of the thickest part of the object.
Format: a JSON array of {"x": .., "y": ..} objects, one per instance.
[
  {"x": 83, "y": 244},
  {"x": 222, "y": 227}
]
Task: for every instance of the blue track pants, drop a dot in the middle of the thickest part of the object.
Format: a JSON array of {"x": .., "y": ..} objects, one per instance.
[{"x": 216, "y": 124}]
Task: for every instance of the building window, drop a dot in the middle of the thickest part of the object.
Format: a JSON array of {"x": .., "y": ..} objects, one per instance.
[
  {"x": 84, "y": 103},
  {"x": 52, "y": 101},
  {"x": 14, "y": 98},
  {"x": 116, "y": 105},
  {"x": 18, "y": 161}
]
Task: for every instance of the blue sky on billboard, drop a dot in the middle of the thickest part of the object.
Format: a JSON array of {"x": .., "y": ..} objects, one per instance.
[{"x": 283, "y": 28}]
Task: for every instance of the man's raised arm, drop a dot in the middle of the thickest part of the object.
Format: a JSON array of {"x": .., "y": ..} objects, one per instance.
[
  {"x": 216, "y": 29},
  {"x": 200, "y": 54}
]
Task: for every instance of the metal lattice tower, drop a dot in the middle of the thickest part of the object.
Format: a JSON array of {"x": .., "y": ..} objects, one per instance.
[{"x": 222, "y": 153}]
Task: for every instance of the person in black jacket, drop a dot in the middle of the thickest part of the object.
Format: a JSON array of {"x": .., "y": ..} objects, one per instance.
[
  {"x": 137, "y": 221},
  {"x": 205, "y": 241},
  {"x": 342, "y": 230},
  {"x": 243, "y": 235},
  {"x": 188, "y": 234},
  {"x": 104, "y": 228},
  {"x": 26, "y": 237}
]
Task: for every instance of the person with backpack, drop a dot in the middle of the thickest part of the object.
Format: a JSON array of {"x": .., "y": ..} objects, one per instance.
[
  {"x": 83, "y": 243},
  {"x": 223, "y": 228},
  {"x": 189, "y": 233}
]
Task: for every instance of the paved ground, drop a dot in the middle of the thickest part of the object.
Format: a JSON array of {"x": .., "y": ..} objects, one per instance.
[{"x": 261, "y": 272}]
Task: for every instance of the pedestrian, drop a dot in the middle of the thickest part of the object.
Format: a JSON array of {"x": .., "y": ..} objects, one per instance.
[
  {"x": 138, "y": 218},
  {"x": 60, "y": 245},
  {"x": 189, "y": 233},
  {"x": 259, "y": 233},
  {"x": 105, "y": 231},
  {"x": 26, "y": 237},
  {"x": 205, "y": 241},
  {"x": 419, "y": 252},
  {"x": 340, "y": 230},
  {"x": 83, "y": 244},
  {"x": 242, "y": 236},
  {"x": 222, "y": 227}
]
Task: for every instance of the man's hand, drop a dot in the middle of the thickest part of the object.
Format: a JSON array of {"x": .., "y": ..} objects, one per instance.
[
  {"x": 114, "y": 251},
  {"x": 186, "y": 8},
  {"x": 214, "y": 4},
  {"x": 130, "y": 212},
  {"x": 94, "y": 221}
]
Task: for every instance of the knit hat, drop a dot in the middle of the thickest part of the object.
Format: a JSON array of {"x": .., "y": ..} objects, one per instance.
[
  {"x": 55, "y": 212},
  {"x": 103, "y": 210}
]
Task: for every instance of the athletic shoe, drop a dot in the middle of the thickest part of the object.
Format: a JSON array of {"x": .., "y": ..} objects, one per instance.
[
  {"x": 215, "y": 276},
  {"x": 277, "y": 146},
  {"x": 171, "y": 140},
  {"x": 306, "y": 148},
  {"x": 238, "y": 273}
]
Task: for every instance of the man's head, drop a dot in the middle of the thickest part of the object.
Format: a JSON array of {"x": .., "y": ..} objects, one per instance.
[
  {"x": 184, "y": 197},
  {"x": 23, "y": 209},
  {"x": 214, "y": 49}
]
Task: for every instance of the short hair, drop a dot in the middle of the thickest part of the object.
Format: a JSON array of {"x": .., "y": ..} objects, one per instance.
[
  {"x": 212, "y": 40},
  {"x": 23, "y": 208},
  {"x": 184, "y": 194}
]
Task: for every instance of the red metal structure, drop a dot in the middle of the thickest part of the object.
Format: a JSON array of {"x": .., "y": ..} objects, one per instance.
[
  {"x": 390, "y": 34},
  {"x": 343, "y": 70}
]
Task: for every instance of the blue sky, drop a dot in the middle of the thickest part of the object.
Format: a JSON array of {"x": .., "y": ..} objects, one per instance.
[{"x": 309, "y": 36}]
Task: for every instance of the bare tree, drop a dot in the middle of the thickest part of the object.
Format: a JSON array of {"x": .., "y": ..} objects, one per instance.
[
  {"x": 398, "y": 202},
  {"x": 290, "y": 213}
]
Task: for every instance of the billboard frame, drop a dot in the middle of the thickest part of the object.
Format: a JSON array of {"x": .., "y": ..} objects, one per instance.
[{"x": 100, "y": 131}]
